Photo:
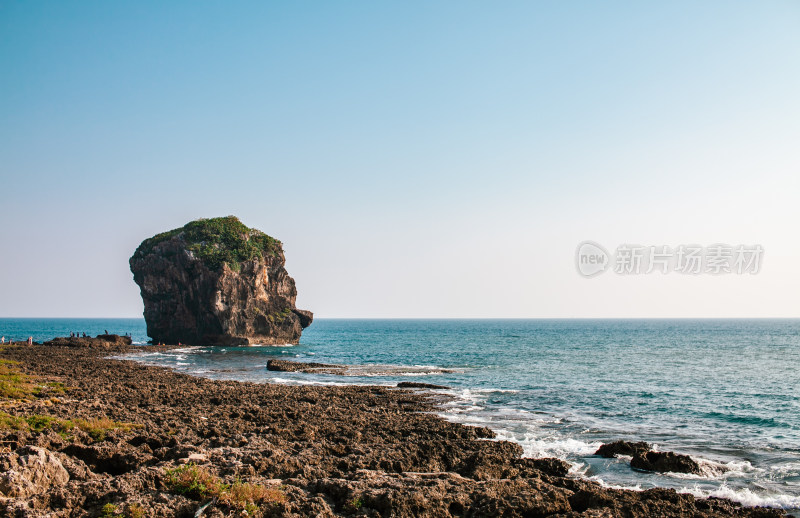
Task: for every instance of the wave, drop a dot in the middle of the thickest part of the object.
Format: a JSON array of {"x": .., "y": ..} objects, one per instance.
[
  {"x": 553, "y": 446},
  {"x": 745, "y": 497},
  {"x": 371, "y": 370}
]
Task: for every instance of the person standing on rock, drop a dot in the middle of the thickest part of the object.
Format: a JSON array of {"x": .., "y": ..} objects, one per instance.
[
  {"x": 3, "y": 340},
  {"x": 30, "y": 340}
]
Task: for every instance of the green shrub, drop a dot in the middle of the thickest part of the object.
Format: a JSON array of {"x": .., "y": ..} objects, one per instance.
[
  {"x": 218, "y": 241},
  {"x": 193, "y": 481}
]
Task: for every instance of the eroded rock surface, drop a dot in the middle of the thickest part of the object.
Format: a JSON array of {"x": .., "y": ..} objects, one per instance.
[
  {"x": 30, "y": 470},
  {"x": 99, "y": 342},
  {"x": 322, "y": 451},
  {"x": 308, "y": 367}
]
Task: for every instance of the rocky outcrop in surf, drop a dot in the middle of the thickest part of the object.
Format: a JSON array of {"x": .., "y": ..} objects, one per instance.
[
  {"x": 306, "y": 367},
  {"x": 615, "y": 448},
  {"x": 666, "y": 461},
  {"x": 99, "y": 342},
  {"x": 645, "y": 459},
  {"x": 217, "y": 282}
]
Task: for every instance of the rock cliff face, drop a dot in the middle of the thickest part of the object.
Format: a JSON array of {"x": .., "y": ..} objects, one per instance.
[{"x": 217, "y": 282}]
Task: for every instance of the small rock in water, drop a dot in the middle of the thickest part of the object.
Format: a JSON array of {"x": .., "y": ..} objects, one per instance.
[
  {"x": 615, "y": 448},
  {"x": 308, "y": 367},
  {"x": 414, "y": 384},
  {"x": 665, "y": 461}
]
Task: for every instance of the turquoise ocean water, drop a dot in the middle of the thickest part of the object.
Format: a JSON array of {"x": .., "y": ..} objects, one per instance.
[{"x": 725, "y": 391}]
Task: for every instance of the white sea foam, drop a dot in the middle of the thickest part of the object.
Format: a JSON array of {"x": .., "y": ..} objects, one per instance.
[
  {"x": 635, "y": 487},
  {"x": 713, "y": 470},
  {"x": 745, "y": 496},
  {"x": 788, "y": 469},
  {"x": 306, "y": 381},
  {"x": 371, "y": 370},
  {"x": 536, "y": 446},
  {"x": 188, "y": 349}
]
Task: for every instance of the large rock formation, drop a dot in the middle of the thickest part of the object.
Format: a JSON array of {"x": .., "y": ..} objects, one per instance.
[{"x": 217, "y": 282}]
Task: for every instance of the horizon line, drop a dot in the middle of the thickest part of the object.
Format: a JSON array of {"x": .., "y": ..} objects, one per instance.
[{"x": 451, "y": 318}]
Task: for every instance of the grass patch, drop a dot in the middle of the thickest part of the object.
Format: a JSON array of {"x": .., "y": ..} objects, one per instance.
[
  {"x": 49, "y": 388},
  {"x": 194, "y": 481},
  {"x": 116, "y": 511},
  {"x": 13, "y": 383},
  {"x": 134, "y": 511},
  {"x": 18, "y": 386},
  {"x": 12, "y": 422},
  {"x": 197, "y": 482},
  {"x": 97, "y": 428},
  {"x": 251, "y": 498}
]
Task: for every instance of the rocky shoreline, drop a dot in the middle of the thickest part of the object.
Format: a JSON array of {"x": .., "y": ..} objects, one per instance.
[{"x": 91, "y": 436}]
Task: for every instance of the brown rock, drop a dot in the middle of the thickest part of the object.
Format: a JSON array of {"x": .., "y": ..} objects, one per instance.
[
  {"x": 309, "y": 367},
  {"x": 615, "y": 448},
  {"x": 665, "y": 461},
  {"x": 414, "y": 384},
  {"x": 100, "y": 342},
  {"x": 217, "y": 282},
  {"x": 30, "y": 470}
]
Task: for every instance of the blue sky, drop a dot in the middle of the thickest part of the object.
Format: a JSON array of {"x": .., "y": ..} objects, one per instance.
[{"x": 417, "y": 159}]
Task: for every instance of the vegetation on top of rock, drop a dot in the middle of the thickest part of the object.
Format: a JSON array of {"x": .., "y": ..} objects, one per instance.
[{"x": 218, "y": 241}]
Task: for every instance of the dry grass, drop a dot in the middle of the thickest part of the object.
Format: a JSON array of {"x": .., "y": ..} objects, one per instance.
[
  {"x": 18, "y": 386},
  {"x": 98, "y": 427},
  {"x": 193, "y": 481},
  {"x": 14, "y": 384},
  {"x": 250, "y": 498},
  {"x": 245, "y": 497}
]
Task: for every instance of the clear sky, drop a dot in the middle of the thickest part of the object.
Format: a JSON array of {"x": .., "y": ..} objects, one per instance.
[{"x": 417, "y": 159}]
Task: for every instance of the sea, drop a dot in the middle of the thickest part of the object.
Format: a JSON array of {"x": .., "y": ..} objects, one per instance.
[{"x": 726, "y": 392}]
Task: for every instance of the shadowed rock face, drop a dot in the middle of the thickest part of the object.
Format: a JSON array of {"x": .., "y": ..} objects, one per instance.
[
  {"x": 217, "y": 282},
  {"x": 615, "y": 448},
  {"x": 665, "y": 461}
]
